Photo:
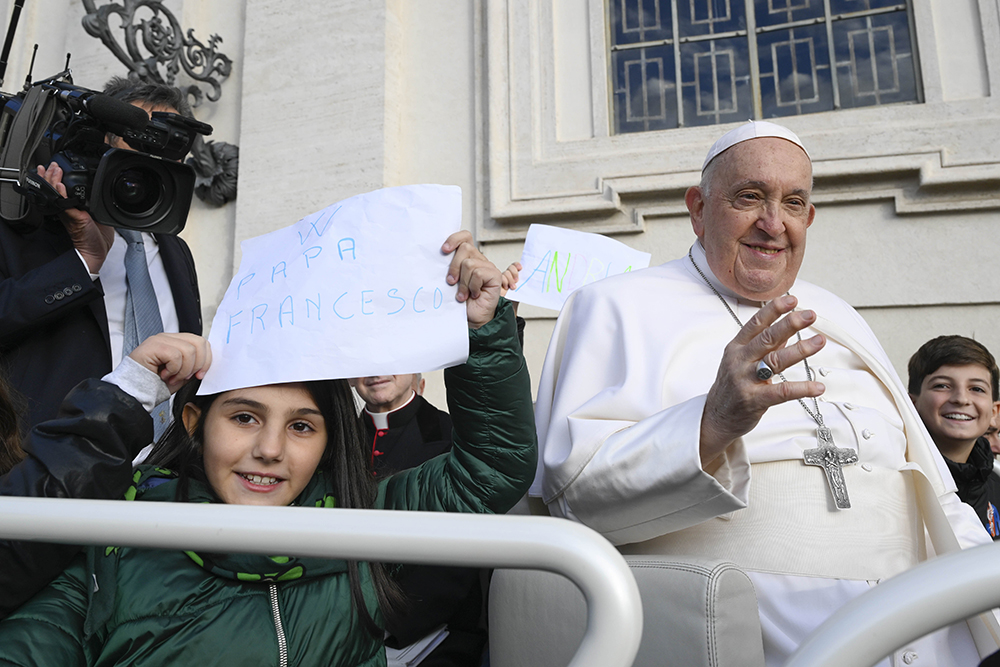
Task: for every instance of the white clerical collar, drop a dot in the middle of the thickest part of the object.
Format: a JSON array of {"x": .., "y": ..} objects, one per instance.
[
  {"x": 381, "y": 419},
  {"x": 701, "y": 259}
]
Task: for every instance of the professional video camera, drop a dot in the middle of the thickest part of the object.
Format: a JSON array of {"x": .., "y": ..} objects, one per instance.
[{"x": 145, "y": 189}]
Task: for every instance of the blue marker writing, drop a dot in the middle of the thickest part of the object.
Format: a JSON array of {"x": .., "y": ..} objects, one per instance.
[
  {"x": 415, "y": 300},
  {"x": 313, "y": 256},
  {"x": 313, "y": 227},
  {"x": 255, "y": 316},
  {"x": 243, "y": 282},
  {"x": 392, "y": 295},
  {"x": 341, "y": 248},
  {"x": 231, "y": 325},
  {"x": 319, "y": 311},
  {"x": 282, "y": 311},
  {"x": 279, "y": 268},
  {"x": 538, "y": 269},
  {"x": 335, "y": 312}
]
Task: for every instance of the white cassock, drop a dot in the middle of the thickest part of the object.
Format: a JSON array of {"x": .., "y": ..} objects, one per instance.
[{"x": 619, "y": 410}]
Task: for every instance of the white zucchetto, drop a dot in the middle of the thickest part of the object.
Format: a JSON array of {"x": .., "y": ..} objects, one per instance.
[{"x": 753, "y": 129}]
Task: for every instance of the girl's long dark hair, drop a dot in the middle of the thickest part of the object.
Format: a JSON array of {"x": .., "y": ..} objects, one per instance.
[
  {"x": 10, "y": 427},
  {"x": 343, "y": 462}
]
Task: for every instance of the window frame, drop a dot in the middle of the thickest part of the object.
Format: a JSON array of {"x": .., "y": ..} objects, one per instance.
[
  {"x": 752, "y": 40},
  {"x": 547, "y": 153}
]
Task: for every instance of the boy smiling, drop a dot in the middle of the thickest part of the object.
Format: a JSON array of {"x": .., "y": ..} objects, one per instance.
[{"x": 953, "y": 383}]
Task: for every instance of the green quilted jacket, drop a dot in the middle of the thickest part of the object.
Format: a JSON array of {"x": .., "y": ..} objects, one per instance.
[{"x": 125, "y": 606}]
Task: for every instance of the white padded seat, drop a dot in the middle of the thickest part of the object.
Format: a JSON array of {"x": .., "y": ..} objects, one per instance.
[{"x": 696, "y": 613}]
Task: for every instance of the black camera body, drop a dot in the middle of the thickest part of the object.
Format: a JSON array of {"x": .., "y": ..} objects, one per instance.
[{"x": 146, "y": 189}]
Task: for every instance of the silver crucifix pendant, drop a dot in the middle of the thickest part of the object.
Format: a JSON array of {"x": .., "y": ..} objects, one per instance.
[{"x": 831, "y": 459}]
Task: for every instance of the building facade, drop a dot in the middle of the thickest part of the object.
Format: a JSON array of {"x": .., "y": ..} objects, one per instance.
[{"x": 526, "y": 105}]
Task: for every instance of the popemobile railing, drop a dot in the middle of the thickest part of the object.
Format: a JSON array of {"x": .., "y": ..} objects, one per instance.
[
  {"x": 614, "y": 610},
  {"x": 910, "y": 605}
]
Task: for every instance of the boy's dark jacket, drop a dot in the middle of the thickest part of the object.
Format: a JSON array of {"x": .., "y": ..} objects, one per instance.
[
  {"x": 978, "y": 485},
  {"x": 173, "y": 607}
]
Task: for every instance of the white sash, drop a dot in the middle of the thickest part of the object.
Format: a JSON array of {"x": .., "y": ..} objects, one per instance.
[{"x": 788, "y": 507}]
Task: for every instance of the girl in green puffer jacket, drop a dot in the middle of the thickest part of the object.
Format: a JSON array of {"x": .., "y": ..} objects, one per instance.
[{"x": 284, "y": 444}]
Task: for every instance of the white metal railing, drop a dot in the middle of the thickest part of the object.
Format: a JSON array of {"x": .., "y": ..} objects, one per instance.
[
  {"x": 614, "y": 610},
  {"x": 908, "y": 606}
]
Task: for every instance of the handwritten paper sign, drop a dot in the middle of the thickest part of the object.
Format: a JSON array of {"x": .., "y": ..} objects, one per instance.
[
  {"x": 557, "y": 261},
  {"x": 356, "y": 289}
]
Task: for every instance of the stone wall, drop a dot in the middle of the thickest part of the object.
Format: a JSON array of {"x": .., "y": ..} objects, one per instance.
[{"x": 508, "y": 99}]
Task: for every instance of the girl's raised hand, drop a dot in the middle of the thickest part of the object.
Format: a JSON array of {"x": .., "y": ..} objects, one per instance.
[
  {"x": 478, "y": 279},
  {"x": 175, "y": 357}
]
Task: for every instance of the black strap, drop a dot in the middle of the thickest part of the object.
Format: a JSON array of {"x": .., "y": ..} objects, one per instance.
[{"x": 19, "y": 153}]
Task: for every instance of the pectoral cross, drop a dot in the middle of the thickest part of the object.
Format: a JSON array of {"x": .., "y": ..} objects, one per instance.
[{"x": 831, "y": 459}]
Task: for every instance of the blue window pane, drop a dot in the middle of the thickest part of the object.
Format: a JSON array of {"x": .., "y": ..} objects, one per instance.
[
  {"x": 634, "y": 21},
  {"x": 710, "y": 17},
  {"x": 645, "y": 96},
  {"x": 874, "y": 61},
  {"x": 850, "y": 6},
  {"x": 715, "y": 79},
  {"x": 795, "y": 72},
  {"x": 776, "y": 12}
]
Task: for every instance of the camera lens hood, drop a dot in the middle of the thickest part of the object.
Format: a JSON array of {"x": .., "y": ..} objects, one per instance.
[{"x": 142, "y": 192}]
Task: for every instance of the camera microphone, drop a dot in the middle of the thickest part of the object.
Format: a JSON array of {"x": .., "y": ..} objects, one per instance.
[{"x": 117, "y": 116}]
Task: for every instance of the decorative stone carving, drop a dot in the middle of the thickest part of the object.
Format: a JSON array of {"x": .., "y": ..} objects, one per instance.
[{"x": 156, "y": 49}]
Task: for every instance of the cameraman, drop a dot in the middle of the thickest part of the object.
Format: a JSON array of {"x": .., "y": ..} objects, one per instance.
[{"x": 64, "y": 289}]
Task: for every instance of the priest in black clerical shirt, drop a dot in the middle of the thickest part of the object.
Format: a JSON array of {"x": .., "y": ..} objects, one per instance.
[{"x": 446, "y": 603}]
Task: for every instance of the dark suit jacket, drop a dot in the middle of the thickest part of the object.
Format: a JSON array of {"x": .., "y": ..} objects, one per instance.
[{"x": 53, "y": 324}]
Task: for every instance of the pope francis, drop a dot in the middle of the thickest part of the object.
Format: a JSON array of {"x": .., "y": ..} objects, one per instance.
[{"x": 715, "y": 405}]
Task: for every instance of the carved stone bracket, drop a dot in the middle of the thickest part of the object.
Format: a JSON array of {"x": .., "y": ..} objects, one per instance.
[
  {"x": 216, "y": 165},
  {"x": 156, "y": 49},
  {"x": 165, "y": 48}
]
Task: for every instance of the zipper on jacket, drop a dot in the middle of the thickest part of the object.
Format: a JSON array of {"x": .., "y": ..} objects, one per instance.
[{"x": 282, "y": 643}]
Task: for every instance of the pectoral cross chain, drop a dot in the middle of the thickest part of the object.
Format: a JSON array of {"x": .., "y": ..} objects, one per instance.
[{"x": 832, "y": 459}]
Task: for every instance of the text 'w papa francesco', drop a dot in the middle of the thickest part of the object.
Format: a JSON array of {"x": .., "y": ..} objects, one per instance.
[
  {"x": 313, "y": 293},
  {"x": 335, "y": 294}
]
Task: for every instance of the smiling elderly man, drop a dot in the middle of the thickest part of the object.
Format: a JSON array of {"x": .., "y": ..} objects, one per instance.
[{"x": 717, "y": 406}]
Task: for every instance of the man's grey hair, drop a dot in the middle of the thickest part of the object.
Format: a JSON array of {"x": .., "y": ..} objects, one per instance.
[
  {"x": 708, "y": 173},
  {"x": 153, "y": 94}
]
